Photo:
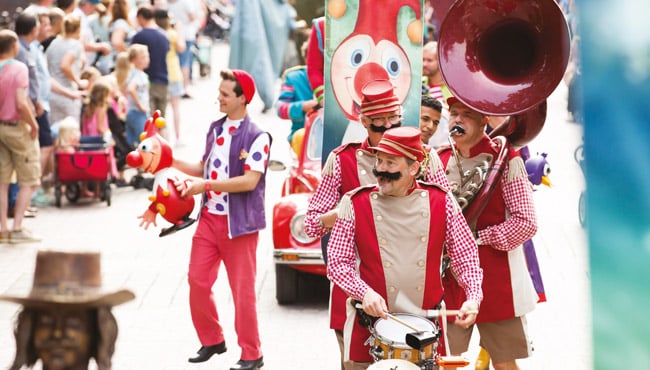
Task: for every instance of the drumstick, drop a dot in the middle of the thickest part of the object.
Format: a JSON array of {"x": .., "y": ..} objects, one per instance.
[
  {"x": 393, "y": 317},
  {"x": 401, "y": 300},
  {"x": 436, "y": 313}
]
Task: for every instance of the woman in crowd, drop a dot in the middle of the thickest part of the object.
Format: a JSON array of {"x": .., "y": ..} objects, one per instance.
[
  {"x": 66, "y": 60},
  {"x": 120, "y": 26}
]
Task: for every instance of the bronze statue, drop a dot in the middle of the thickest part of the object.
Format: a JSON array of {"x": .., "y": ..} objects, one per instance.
[{"x": 66, "y": 319}]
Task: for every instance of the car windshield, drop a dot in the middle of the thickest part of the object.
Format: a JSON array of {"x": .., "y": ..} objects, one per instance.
[{"x": 315, "y": 145}]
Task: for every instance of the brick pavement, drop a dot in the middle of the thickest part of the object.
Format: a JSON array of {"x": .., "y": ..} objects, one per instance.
[{"x": 155, "y": 329}]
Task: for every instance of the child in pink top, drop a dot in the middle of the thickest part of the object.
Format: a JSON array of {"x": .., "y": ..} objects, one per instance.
[{"x": 94, "y": 120}]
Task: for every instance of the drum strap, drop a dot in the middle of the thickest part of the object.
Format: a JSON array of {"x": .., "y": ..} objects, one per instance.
[{"x": 364, "y": 319}]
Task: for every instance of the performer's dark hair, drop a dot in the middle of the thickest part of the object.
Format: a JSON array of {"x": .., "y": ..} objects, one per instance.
[{"x": 431, "y": 102}]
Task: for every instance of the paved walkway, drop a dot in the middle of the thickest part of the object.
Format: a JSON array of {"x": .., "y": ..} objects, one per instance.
[{"x": 155, "y": 330}]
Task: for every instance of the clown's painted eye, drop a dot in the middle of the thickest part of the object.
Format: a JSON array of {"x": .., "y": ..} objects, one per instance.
[
  {"x": 356, "y": 58},
  {"x": 145, "y": 145},
  {"x": 359, "y": 51},
  {"x": 391, "y": 61},
  {"x": 393, "y": 67}
]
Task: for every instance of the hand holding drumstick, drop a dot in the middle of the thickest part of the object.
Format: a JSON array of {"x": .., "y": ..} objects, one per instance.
[{"x": 467, "y": 314}]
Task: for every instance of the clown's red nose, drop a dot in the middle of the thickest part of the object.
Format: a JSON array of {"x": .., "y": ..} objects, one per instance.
[{"x": 134, "y": 159}]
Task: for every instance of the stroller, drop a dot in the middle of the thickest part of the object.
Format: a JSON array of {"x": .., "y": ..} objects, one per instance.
[{"x": 90, "y": 162}]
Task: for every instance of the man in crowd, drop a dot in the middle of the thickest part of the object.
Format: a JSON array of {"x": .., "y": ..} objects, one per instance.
[
  {"x": 430, "y": 111},
  {"x": 18, "y": 140},
  {"x": 158, "y": 45},
  {"x": 435, "y": 86}
]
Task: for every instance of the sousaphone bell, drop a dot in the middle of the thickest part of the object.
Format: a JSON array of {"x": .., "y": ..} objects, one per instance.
[{"x": 503, "y": 58}]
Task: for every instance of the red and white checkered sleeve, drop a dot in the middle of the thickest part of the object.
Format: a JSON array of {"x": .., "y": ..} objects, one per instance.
[
  {"x": 439, "y": 178},
  {"x": 463, "y": 251},
  {"x": 325, "y": 198},
  {"x": 521, "y": 222},
  {"x": 342, "y": 257}
]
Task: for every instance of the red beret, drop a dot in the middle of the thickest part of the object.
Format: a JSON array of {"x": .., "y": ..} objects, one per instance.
[
  {"x": 402, "y": 141},
  {"x": 378, "y": 97},
  {"x": 452, "y": 100},
  {"x": 246, "y": 82}
]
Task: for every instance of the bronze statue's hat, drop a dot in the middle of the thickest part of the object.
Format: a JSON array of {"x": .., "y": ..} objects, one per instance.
[{"x": 69, "y": 278}]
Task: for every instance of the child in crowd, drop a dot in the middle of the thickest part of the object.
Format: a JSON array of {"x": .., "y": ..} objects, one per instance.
[
  {"x": 137, "y": 93},
  {"x": 94, "y": 120},
  {"x": 69, "y": 135},
  {"x": 68, "y": 141},
  {"x": 121, "y": 72},
  {"x": 90, "y": 74},
  {"x": 116, "y": 113}
]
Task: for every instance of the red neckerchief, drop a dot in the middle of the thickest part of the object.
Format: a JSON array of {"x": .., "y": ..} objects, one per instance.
[{"x": 485, "y": 145}]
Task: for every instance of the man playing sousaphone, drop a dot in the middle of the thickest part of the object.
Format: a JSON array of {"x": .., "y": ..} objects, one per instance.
[
  {"x": 506, "y": 221},
  {"x": 388, "y": 239},
  {"x": 498, "y": 59}
]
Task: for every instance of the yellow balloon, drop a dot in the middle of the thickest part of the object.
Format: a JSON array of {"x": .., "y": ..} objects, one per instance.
[
  {"x": 415, "y": 31},
  {"x": 336, "y": 8},
  {"x": 296, "y": 141},
  {"x": 161, "y": 122}
]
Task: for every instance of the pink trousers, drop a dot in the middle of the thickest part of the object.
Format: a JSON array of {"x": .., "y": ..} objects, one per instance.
[{"x": 211, "y": 246}]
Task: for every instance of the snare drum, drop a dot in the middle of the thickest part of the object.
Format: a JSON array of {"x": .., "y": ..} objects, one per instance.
[
  {"x": 390, "y": 338},
  {"x": 393, "y": 364}
]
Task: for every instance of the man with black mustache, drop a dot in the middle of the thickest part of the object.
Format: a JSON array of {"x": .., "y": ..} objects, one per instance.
[
  {"x": 388, "y": 241},
  {"x": 350, "y": 166}
]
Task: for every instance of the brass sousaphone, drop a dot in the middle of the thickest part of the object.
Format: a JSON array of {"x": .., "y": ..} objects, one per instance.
[{"x": 503, "y": 58}]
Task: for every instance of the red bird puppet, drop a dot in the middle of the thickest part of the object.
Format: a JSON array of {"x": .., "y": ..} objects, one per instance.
[{"x": 154, "y": 155}]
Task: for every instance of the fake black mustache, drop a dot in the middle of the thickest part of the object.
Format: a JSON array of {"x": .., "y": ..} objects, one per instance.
[
  {"x": 387, "y": 175},
  {"x": 382, "y": 129}
]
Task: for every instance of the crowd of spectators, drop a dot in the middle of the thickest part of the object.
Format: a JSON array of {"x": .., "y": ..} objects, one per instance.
[{"x": 105, "y": 66}]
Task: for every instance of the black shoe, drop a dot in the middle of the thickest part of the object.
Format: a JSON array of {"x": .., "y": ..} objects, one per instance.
[
  {"x": 249, "y": 364},
  {"x": 205, "y": 352}
]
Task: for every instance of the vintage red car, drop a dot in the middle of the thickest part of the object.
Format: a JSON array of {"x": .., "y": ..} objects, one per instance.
[{"x": 295, "y": 253}]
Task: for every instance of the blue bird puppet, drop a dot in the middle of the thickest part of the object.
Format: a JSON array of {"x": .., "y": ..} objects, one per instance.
[{"x": 538, "y": 170}]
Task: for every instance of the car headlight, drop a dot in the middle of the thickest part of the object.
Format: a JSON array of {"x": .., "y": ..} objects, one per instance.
[{"x": 298, "y": 229}]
